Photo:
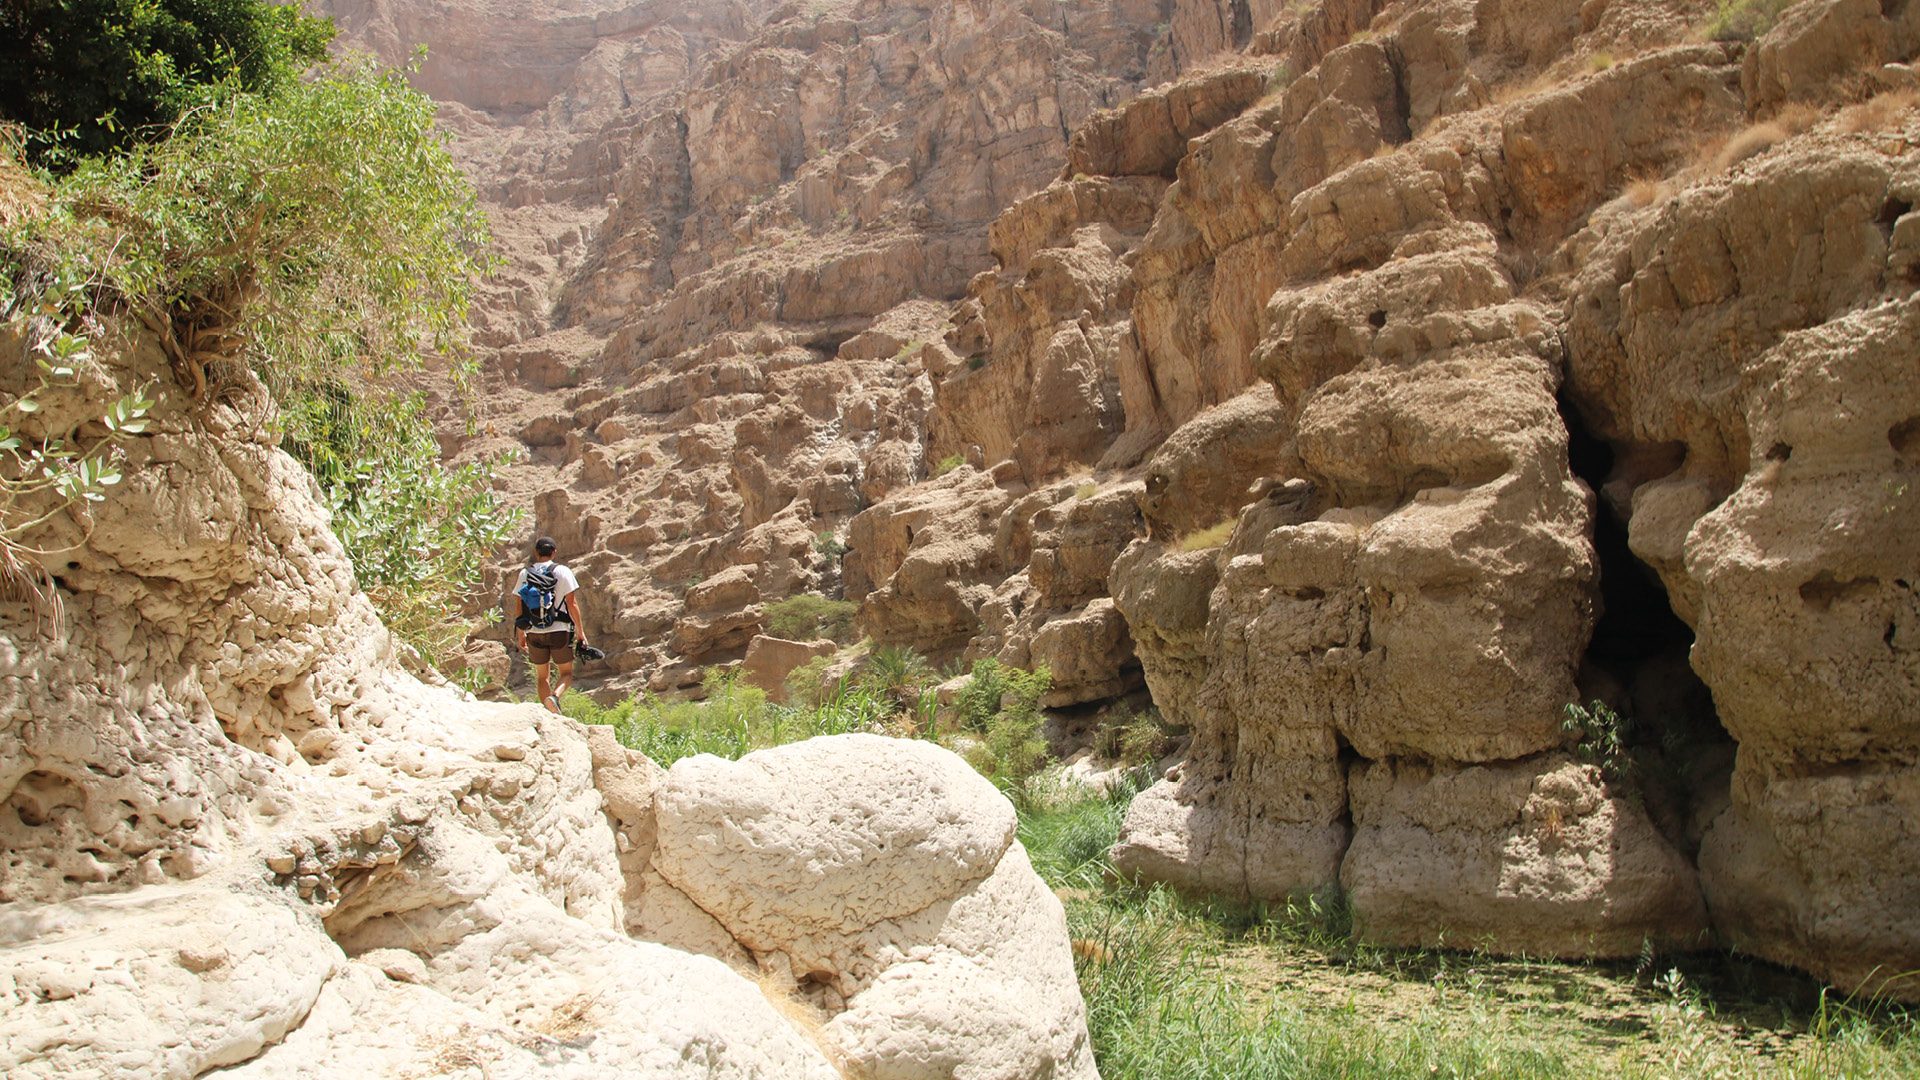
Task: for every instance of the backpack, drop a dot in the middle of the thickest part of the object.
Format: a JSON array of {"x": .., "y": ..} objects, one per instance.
[{"x": 537, "y": 597}]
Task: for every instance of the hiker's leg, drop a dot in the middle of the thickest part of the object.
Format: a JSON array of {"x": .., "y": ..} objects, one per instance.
[
  {"x": 540, "y": 681},
  {"x": 566, "y": 678}
]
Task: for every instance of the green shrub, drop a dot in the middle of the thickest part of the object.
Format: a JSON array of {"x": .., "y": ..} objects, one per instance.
[
  {"x": 1743, "y": 20},
  {"x": 825, "y": 543},
  {"x": 1137, "y": 738},
  {"x": 947, "y": 464},
  {"x": 321, "y": 234},
  {"x": 897, "y": 673},
  {"x": 995, "y": 687},
  {"x": 417, "y": 531},
  {"x": 1011, "y": 753},
  {"x": 1001, "y": 705},
  {"x": 1601, "y": 737},
  {"x": 807, "y": 616},
  {"x": 732, "y": 721},
  {"x": 47, "y": 468},
  {"x": 318, "y": 233}
]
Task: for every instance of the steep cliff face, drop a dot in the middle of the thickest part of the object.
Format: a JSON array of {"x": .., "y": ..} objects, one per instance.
[
  {"x": 1380, "y": 380},
  {"x": 726, "y": 226},
  {"x": 1524, "y": 354}
]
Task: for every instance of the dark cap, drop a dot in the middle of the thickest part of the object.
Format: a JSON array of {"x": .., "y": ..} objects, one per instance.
[{"x": 544, "y": 546}]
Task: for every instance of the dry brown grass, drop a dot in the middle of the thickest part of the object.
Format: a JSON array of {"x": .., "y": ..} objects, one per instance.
[
  {"x": 1884, "y": 111},
  {"x": 1751, "y": 140},
  {"x": 1645, "y": 189},
  {"x": 1527, "y": 86},
  {"x": 1091, "y": 951},
  {"x": 806, "y": 1017},
  {"x": 1210, "y": 537},
  {"x": 1796, "y": 117},
  {"x": 458, "y": 1052},
  {"x": 21, "y": 195},
  {"x": 570, "y": 1019}
]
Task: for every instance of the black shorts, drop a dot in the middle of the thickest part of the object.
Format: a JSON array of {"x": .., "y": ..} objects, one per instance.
[{"x": 550, "y": 645}]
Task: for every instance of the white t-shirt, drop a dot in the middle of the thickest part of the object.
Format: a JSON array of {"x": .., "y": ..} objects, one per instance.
[{"x": 563, "y": 583}]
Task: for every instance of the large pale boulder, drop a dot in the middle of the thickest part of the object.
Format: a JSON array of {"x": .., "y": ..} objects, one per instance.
[
  {"x": 238, "y": 835},
  {"x": 162, "y": 981},
  {"x": 895, "y": 897}
]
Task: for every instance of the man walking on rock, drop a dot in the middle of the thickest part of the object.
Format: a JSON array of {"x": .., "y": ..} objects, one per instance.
[{"x": 546, "y": 622}]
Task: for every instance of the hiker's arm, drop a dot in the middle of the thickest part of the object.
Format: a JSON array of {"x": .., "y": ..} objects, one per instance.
[
  {"x": 573, "y": 610},
  {"x": 519, "y": 635}
]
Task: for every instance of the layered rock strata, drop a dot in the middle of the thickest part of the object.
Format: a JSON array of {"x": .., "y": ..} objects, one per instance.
[
  {"x": 1484, "y": 362},
  {"x": 1386, "y": 378},
  {"x": 725, "y": 225}
]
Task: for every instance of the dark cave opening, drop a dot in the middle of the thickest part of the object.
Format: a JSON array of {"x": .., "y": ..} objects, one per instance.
[
  {"x": 1637, "y": 660},
  {"x": 1636, "y": 622}
]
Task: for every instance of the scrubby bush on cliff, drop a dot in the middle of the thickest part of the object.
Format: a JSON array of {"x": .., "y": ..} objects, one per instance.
[
  {"x": 320, "y": 235},
  {"x": 1742, "y": 20},
  {"x": 48, "y": 464},
  {"x": 808, "y": 616},
  {"x": 315, "y": 233},
  {"x": 417, "y": 531}
]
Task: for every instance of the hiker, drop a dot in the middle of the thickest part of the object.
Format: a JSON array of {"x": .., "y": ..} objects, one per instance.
[{"x": 546, "y": 620}]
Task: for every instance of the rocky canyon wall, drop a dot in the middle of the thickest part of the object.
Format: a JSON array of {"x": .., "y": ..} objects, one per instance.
[
  {"x": 239, "y": 837},
  {"x": 1525, "y": 356},
  {"x": 1366, "y": 381}
]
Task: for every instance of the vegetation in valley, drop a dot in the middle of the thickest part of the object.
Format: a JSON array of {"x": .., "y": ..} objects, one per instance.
[
  {"x": 1197, "y": 990},
  {"x": 251, "y": 212},
  {"x": 1742, "y": 20},
  {"x": 810, "y": 616}
]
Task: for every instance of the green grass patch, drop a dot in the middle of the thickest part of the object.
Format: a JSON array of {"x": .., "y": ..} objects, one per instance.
[
  {"x": 1178, "y": 988},
  {"x": 1210, "y": 537},
  {"x": 1183, "y": 989},
  {"x": 809, "y": 616},
  {"x": 734, "y": 720}
]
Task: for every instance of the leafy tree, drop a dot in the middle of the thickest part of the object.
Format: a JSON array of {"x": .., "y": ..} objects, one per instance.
[{"x": 89, "y": 76}]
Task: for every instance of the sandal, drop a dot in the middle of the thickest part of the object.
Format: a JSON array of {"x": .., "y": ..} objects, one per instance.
[{"x": 552, "y": 702}]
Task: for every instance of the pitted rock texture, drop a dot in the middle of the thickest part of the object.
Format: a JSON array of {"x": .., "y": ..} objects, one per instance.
[
  {"x": 1778, "y": 515},
  {"x": 1500, "y": 358},
  {"x": 241, "y": 837},
  {"x": 895, "y": 897}
]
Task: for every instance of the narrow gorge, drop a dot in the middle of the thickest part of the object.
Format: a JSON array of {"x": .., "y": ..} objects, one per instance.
[{"x": 1485, "y": 432}]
